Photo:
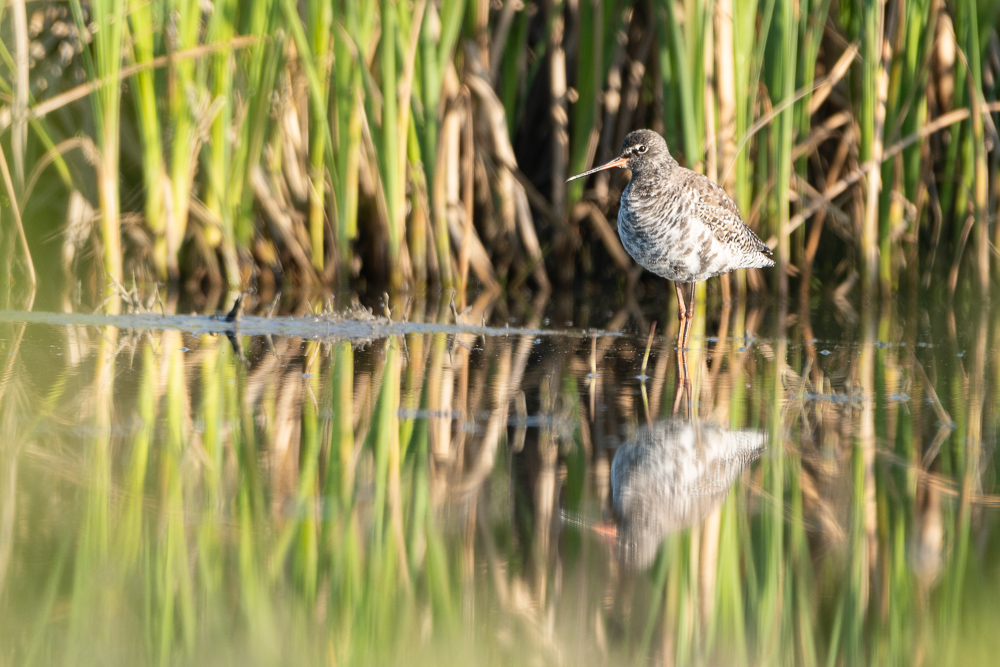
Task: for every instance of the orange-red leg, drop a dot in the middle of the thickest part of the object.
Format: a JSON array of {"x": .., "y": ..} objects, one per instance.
[
  {"x": 686, "y": 313},
  {"x": 681, "y": 309}
]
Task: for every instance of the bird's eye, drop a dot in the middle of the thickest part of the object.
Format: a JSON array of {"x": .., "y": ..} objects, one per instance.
[{"x": 641, "y": 148}]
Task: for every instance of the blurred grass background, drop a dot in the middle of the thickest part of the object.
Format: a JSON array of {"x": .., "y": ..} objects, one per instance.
[{"x": 334, "y": 143}]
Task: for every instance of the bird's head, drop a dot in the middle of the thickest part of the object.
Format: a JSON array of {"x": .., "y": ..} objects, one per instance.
[{"x": 641, "y": 149}]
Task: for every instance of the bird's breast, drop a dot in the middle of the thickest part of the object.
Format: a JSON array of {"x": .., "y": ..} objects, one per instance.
[{"x": 666, "y": 240}]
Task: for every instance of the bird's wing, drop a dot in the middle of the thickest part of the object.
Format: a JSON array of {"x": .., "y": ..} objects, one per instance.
[{"x": 722, "y": 215}]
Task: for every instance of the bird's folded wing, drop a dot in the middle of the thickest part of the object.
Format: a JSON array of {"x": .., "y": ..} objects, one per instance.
[{"x": 722, "y": 215}]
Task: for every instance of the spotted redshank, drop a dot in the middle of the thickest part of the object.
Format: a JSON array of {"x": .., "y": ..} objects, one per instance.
[{"x": 677, "y": 223}]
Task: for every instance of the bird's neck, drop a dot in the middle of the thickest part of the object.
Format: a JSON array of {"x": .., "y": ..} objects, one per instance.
[{"x": 652, "y": 178}]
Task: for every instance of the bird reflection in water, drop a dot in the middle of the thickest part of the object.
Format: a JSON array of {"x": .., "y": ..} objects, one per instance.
[{"x": 672, "y": 475}]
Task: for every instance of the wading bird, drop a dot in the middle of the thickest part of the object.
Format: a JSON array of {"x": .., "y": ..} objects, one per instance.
[{"x": 677, "y": 223}]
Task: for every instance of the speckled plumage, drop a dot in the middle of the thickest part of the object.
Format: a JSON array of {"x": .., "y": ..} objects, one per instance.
[
  {"x": 670, "y": 476},
  {"x": 677, "y": 223}
]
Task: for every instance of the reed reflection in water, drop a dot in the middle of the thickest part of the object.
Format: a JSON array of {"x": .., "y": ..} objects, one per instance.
[{"x": 440, "y": 496}]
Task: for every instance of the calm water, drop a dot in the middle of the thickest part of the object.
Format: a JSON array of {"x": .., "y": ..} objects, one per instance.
[{"x": 824, "y": 493}]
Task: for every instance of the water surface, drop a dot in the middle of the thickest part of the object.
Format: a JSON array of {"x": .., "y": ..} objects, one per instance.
[{"x": 511, "y": 490}]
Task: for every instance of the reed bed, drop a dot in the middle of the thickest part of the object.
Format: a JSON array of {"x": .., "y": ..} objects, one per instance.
[
  {"x": 421, "y": 497},
  {"x": 427, "y": 141}
]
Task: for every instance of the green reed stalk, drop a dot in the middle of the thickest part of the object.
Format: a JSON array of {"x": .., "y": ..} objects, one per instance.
[
  {"x": 959, "y": 526},
  {"x": 262, "y": 62},
  {"x": 859, "y": 592},
  {"x": 769, "y": 603},
  {"x": 143, "y": 35},
  {"x": 342, "y": 442},
  {"x": 802, "y": 579},
  {"x": 427, "y": 122},
  {"x": 417, "y": 227},
  {"x": 437, "y": 45},
  {"x": 418, "y": 448},
  {"x": 953, "y": 187},
  {"x": 216, "y": 376},
  {"x": 747, "y": 58},
  {"x": 103, "y": 63},
  {"x": 319, "y": 17},
  {"x": 811, "y": 27},
  {"x": 781, "y": 79},
  {"x": 130, "y": 529},
  {"x": 687, "y": 80},
  {"x": 919, "y": 26},
  {"x": 729, "y": 619},
  {"x": 306, "y": 556},
  {"x": 872, "y": 123},
  {"x": 92, "y": 547},
  {"x": 590, "y": 75},
  {"x": 19, "y": 124},
  {"x": 683, "y": 578},
  {"x": 889, "y": 212},
  {"x": 991, "y": 93},
  {"x": 347, "y": 85},
  {"x": 967, "y": 29},
  {"x": 385, "y": 580},
  {"x": 222, "y": 26},
  {"x": 389, "y": 148},
  {"x": 249, "y": 506},
  {"x": 316, "y": 66},
  {"x": 659, "y": 573},
  {"x": 183, "y": 33},
  {"x": 384, "y": 436},
  {"x": 438, "y": 570},
  {"x": 213, "y": 413},
  {"x": 409, "y": 28},
  {"x": 513, "y": 68},
  {"x": 178, "y": 586},
  {"x": 899, "y": 517},
  {"x": 313, "y": 44}
]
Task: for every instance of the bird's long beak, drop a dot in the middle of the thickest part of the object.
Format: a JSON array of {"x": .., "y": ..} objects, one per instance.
[{"x": 617, "y": 162}]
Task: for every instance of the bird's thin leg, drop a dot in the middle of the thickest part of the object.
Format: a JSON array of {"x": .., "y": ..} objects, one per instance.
[
  {"x": 681, "y": 310},
  {"x": 690, "y": 316},
  {"x": 684, "y": 356},
  {"x": 682, "y": 315},
  {"x": 690, "y": 307}
]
